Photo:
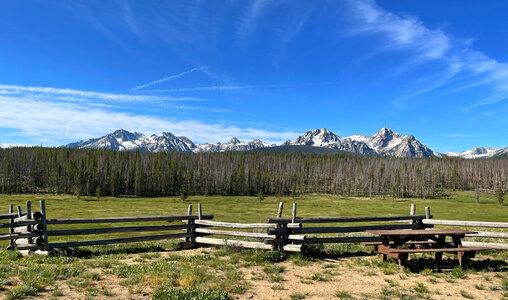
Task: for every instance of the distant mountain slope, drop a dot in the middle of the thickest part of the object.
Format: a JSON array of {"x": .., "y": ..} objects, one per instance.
[
  {"x": 299, "y": 149},
  {"x": 385, "y": 142},
  {"x": 479, "y": 152}
]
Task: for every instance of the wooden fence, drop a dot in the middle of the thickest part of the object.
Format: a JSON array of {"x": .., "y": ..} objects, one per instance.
[{"x": 28, "y": 232}]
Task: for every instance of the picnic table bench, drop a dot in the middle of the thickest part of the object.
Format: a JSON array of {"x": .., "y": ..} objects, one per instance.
[{"x": 435, "y": 239}]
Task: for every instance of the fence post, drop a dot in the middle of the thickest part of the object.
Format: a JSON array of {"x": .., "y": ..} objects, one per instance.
[
  {"x": 279, "y": 212},
  {"x": 189, "y": 222},
  {"x": 44, "y": 223},
  {"x": 11, "y": 230},
  {"x": 412, "y": 212},
  {"x": 293, "y": 219},
  {"x": 29, "y": 217}
]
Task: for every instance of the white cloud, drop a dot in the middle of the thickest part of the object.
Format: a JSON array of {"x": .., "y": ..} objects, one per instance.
[
  {"x": 62, "y": 120},
  {"x": 166, "y": 79},
  {"x": 77, "y": 95},
  {"x": 408, "y": 33}
]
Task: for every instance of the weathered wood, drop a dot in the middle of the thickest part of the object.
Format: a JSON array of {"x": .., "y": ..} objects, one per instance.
[
  {"x": 501, "y": 246},
  {"x": 412, "y": 212},
  {"x": 44, "y": 221},
  {"x": 27, "y": 241},
  {"x": 430, "y": 232},
  {"x": 189, "y": 210},
  {"x": 87, "y": 231},
  {"x": 13, "y": 236},
  {"x": 489, "y": 234},
  {"x": 36, "y": 227},
  {"x": 352, "y": 228},
  {"x": 37, "y": 216},
  {"x": 200, "y": 212},
  {"x": 347, "y": 239},
  {"x": 8, "y": 225},
  {"x": 11, "y": 219},
  {"x": 119, "y": 241},
  {"x": 10, "y": 215},
  {"x": 235, "y": 233},
  {"x": 432, "y": 250},
  {"x": 25, "y": 252},
  {"x": 279, "y": 211},
  {"x": 32, "y": 247},
  {"x": 293, "y": 219},
  {"x": 427, "y": 212},
  {"x": 234, "y": 225},
  {"x": 294, "y": 248},
  {"x": 224, "y": 242},
  {"x": 20, "y": 213},
  {"x": 25, "y": 222},
  {"x": 346, "y": 219},
  {"x": 28, "y": 217},
  {"x": 465, "y": 223},
  {"x": 125, "y": 219}
]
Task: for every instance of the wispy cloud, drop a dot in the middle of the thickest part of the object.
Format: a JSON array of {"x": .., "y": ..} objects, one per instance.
[
  {"x": 248, "y": 20},
  {"x": 78, "y": 95},
  {"x": 208, "y": 88},
  {"x": 67, "y": 121},
  {"x": 409, "y": 33},
  {"x": 166, "y": 79}
]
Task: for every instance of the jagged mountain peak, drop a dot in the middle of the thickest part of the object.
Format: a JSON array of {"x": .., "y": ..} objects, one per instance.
[{"x": 234, "y": 141}]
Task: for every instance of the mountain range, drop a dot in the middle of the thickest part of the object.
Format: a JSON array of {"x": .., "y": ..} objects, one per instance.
[{"x": 385, "y": 142}]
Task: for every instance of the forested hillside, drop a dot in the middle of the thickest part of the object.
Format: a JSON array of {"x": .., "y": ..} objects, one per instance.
[{"x": 88, "y": 172}]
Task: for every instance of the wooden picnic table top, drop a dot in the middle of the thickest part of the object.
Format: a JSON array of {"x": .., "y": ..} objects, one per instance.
[{"x": 427, "y": 232}]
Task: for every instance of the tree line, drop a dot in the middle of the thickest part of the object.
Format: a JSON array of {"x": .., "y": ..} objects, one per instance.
[{"x": 105, "y": 172}]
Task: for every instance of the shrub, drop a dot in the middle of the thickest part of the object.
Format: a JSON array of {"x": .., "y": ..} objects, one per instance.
[
  {"x": 170, "y": 293},
  {"x": 500, "y": 196}
]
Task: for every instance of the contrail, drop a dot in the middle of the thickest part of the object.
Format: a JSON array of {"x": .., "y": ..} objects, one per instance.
[{"x": 165, "y": 79}]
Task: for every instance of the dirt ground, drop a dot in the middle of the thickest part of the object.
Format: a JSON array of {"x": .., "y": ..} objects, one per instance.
[{"x": 335, "y": 278}]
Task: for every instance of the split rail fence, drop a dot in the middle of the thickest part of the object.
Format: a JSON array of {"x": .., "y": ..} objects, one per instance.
[{"x": 28, "y": 231}]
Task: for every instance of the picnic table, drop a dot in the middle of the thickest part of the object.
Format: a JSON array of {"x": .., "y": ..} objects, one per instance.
[{"x": 434, "y": 240}]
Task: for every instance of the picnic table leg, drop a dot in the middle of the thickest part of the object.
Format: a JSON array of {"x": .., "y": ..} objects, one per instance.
[
  {"x": 440, "y": 244},
  {"x": 458, "y": 244},
  {"x": 401, "y": 259},
  {"x": 386, "y": 242}
]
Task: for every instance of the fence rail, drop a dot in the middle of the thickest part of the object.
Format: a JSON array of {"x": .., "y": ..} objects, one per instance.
[{"x": 28, "y": 232}]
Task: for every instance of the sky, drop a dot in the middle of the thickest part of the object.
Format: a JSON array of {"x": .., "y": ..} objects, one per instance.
[{"x": 211, "y": 70}]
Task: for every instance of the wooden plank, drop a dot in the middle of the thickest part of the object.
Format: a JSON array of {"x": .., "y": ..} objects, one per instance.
[
  {"x": 119, "y": 241},
  {"x": 117, "y": 229},
  {"x": 307, "y": 230},
  {"x": 428, "y": 232},
  {"x": 427, "y": 213},
  {"x": 13, "y": 236},
  {"x": 432, "y": 250},
  {"x": 42, "y": 204},
  {"x": 28, "y": 217},
  {"x": 25, "y": 222},
  {"x": 224, "y": 242},
  {"x": 235, "y": 225},
  {"x": 28, "y": 241},
  {"x": 348, "y": 239},
  {"x": 489, "y": 234},
  {"x": 235, "y": 233},
  {"x": 200, "y": 212},
  {"x": 412, "y": 212},
  {"x": 346, "y": 219},
  {"x": 294, "y": 248},
  {"x": 501, "y": 246},
  {"x": 293, "y": 219},
  {"x": 279, "y": 211},
  {"x": 37, "y": 216},
  {"x": 8, "y": 225},
  {"x": 28, "y": 247},
  {"x": 466, "y": 223},
  {"x": 10, "y": 215},
  {"x": 36, "y": 227},
  {"x": 125, "y": 219},
  {"x": 11, "y": 229}
]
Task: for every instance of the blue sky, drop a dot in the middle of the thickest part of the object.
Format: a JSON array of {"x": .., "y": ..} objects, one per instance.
[{"x": 272, "y": 70}]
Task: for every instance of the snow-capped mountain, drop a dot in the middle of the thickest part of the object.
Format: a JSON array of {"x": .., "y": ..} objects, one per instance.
[
  {"x": 384, "y": 142},
  {"x": 166, "y": 141},
  {"x": 125, "y": 140},
  {"x": 233, "y": 145},
  {"x": 479, "y": 152}
]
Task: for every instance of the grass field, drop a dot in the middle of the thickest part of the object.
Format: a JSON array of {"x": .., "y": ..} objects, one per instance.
[{"x": 144, "y": 270}]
